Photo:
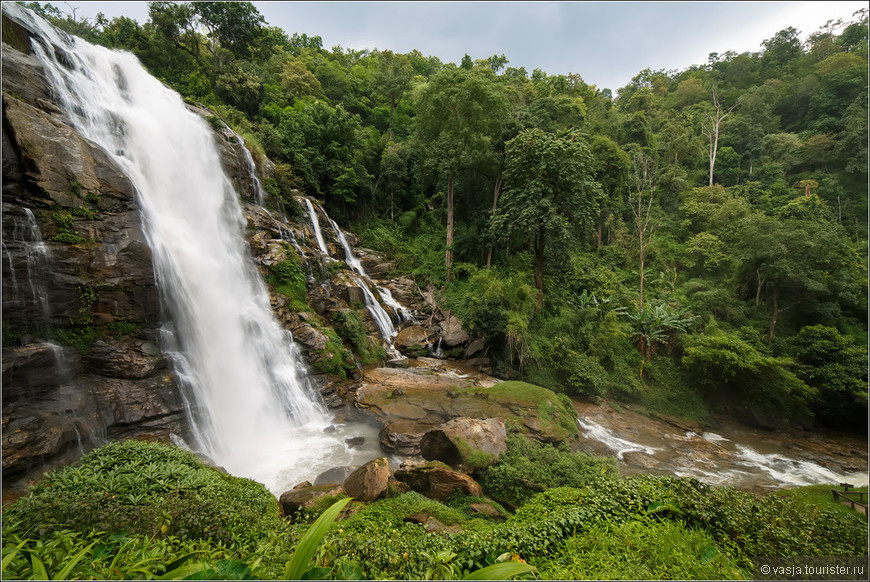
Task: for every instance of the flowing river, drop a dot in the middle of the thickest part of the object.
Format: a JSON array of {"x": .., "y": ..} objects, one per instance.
[{"x": 730, "y": 454}]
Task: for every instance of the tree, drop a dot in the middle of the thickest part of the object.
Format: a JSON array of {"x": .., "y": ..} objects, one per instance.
[
  {"x": 711, "y": 127},
  {"x": 805, "y": 262},
  {"x": 393, "y": 76},
  {"x": 459, "y": 114},
  {"x": 837, "y": 368},
  {"x": 550, "y": 194},
  {"x": 644, "y": 174},
  {"x": 234, "y": 25}
]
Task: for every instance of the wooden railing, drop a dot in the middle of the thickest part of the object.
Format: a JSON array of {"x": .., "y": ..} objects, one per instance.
[{"x": 845, "y": 495}]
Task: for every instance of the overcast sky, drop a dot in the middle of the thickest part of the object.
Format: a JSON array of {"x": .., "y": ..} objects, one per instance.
[{"x": 607, "y": 43}]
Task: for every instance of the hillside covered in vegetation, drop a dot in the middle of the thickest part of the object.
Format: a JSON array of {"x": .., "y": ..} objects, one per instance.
[{"x": 696, "y": 240}]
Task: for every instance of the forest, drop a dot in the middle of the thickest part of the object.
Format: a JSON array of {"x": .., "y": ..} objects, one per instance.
[{"x": 696, "y": 241}]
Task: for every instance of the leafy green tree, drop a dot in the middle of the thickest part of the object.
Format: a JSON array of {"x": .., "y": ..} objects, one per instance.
[
  {"x": 459, "y": 114},
  {"x": 800, "y": 262},
  {"x": 550, "y": 195},
  {"x": 234, "y": 25},
  {"x": 732, "y": 370},
  {"x": 836, "y": 368},
  {"x": 393, "y": 75}
]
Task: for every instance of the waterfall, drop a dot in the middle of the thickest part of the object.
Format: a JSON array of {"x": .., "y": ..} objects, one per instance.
[
  {"x": 26, "y": 246},
  {"x": 316, "y": 224},
  {"x": 252, "y": 168},
  {"x": 249, "y": 404},
  {"x": 379, "y": 314}
]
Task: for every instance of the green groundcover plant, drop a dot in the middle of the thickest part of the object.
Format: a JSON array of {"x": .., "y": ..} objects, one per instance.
[{"x": 137, "y": 510}]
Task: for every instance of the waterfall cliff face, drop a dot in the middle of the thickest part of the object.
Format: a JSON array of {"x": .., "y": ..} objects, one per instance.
[{"x": 247, "y": 399}]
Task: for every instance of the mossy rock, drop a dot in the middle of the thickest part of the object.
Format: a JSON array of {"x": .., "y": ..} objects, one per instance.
[{"x": 430, "y": 397}]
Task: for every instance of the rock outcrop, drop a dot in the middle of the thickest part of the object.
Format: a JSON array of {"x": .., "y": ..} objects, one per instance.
[
  {"x": 77, "y": 270},
  {"x": 409, "y": 402},
  {"x": 369, "y": 482}
]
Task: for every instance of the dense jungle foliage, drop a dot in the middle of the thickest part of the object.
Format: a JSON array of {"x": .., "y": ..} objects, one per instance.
[
  {"x": 137, "y": 510},
  {"x": 696, "y": 240}
]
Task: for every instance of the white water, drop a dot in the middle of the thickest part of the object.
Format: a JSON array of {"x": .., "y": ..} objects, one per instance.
[
  {"x": 378, "y": 313},
  {"x": 316, "y": 224},
  {"x": 613, "y": 442},
  {"x": 252, "y": 168},
  {"x": 250, "y": 406},
  {"x": 26, "y": 242},
  {"x": 739, "y": 464}
]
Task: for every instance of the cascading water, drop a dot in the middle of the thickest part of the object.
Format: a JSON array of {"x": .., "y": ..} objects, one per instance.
[
  {"x": 741, "y": 461},
  {"x": 26, "y": 242},
  {"x": 379, "y": 314},
  {"x": 251, "y": 167},
  {"x": 319, "y": 235},
  {"x": 250, "y": 408}
]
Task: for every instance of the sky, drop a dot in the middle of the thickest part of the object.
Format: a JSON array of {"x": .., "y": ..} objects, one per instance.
[{"x": 606, "y": 43}]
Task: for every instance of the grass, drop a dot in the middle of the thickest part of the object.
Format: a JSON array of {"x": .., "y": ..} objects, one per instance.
[{"x": 820, "y": 497}]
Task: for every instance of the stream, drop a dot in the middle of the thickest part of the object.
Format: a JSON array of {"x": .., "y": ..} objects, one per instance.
[{"x": 730, "y": 454}]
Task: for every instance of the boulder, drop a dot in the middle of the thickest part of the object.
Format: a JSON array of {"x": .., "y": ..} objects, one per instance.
[
  {"x": 466, "y": 442},
  {"x": 414, "y": 340},
  {"x": 403, "y": 437},
  {"x": 336, "y": 475},
  {"x": 438, "y": 481},
  {"x": 452, "y": 333},
  {"x": 431, "y": 523},
  {"x": 302, "y": 498},
  {"x": 474, "y": 347},
  {"x": 369, "y": 482},
  {"x": 432, "y": 398},
  {"x": 311, "y": 338}
]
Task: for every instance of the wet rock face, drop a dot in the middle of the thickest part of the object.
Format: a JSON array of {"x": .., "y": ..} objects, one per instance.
[{"x": 75, "y": 261}]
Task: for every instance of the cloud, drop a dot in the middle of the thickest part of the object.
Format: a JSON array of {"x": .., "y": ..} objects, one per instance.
[{"x": 607, "y": 43}]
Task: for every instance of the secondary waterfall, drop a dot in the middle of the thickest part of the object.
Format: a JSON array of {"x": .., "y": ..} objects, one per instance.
[{"x": 249, "y": 404}]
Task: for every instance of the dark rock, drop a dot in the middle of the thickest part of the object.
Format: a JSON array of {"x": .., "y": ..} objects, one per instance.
[
  {"x": 354, "y": 442},
  {"x": 336, "y": 475},
  {"x": 32, "y": 371},
  {"x": 369, "y": 482},
  {"x": 452, "y": 333},
  {"x": 294, "y": 500},
  {"x": 402, "y": 437},
  {"x": 474, "y": 347},
  {"x": 127, "y": 357},
  {"x": 438, "y": 481},
  {"x": 414, "y": 340}
]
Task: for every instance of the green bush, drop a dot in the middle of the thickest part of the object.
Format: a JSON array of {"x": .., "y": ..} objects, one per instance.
[
  {"x": 288, "y": 279},
  {"x": 349, "y": 325},
  {"x": 728, "y": 367},
  {"x": 146, "y": 489},
  {"x": 529, "y": 462},
  {"x": 640, "y": 551}
]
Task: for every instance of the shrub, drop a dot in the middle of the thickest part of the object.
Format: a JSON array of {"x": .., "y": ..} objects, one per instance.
[
  {"x": 640, "y": 551},
  {"x": 146, "y": 489},
  {"x": 349, "y": 325},
  {"x": 527, "y": 463},
  {"x": 288, "y": 279}
]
